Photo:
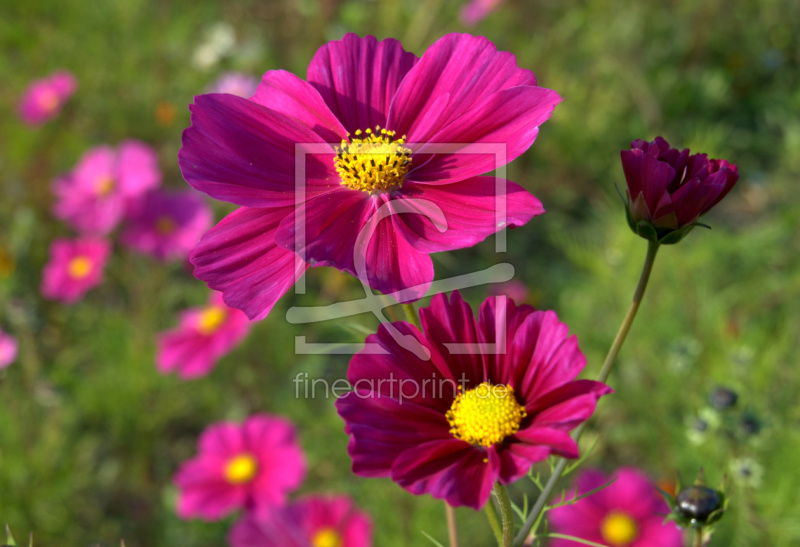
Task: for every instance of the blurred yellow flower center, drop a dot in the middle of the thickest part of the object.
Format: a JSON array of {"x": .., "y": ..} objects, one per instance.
[
  {"x": 241, "y": 469},
  {"x": 48, "y": 100},
  {"x": 79, "y": 267},
  {"x": 211, "y": 319},
  {"x": 165, "y": 225},
  {"x": 373, "y": 161},
  {"x": 104, "y": 185},
  {"x": 327, "y": 537},
  {"x": 485, "y": 415},
  {"x": 619, "y": 529}
]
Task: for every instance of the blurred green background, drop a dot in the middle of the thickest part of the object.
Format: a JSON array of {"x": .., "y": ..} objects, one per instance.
[{"x": 91, "y": 434}]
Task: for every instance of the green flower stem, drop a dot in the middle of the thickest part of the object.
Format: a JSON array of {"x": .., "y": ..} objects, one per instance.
[
  {"x": 652, "y": 249},
  {"x": 506, "y": 514},
  {"x": 698, "y": 537},
  {"x": 494, "y": 522},
  {"x": 452, "y": 529},
  {"x": 411, "y": 315}
]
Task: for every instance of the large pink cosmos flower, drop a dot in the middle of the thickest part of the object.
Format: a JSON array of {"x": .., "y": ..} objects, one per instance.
[
  {"x": 628, "y": 513},
  {"x": 104, "y": 184},
  {"x": 203, "y": 336},
  {"x": 8, "y": 349},
  {"x": 394, "y": 147},
  {"x": 476, "y": 412},
  {"x": 668, "y": 189},
  {"x": 167, "y": 225},
  {"x": 311, "y": 522},
  {"x": 252, "y": 466},
  {"x": 75, "y": 266},
  {"x": 43, "y": 99}
]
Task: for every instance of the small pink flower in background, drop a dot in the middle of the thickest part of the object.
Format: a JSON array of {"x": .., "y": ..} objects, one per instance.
[
  {"x": 311, "y": 522},
  {"x": 43, "y": 99},
  {"x": 514, "y": 289},
  {"x": 379, "y": 115},
  {"x": 668, "y": 190},
  {"x": 235, "y": 83},
  {"x": 628, "y": 513},
  {"x": 167, "y": 225},
  {"x": 75, "y": 266},
  {"x": 203, "y": 336},
  {"x": 462, "y": 420},
  {"x": 475, "y": 11},
  {"x": 104, "y": 185},
  {"x": 253, "y": 466},
  {"x": 8, "y": 349}
]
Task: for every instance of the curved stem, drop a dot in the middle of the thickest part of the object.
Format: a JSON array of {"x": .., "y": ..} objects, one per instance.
[
  {"x": 494, "y": 522},
  {"x": 613, "y": 352},
  {"x": 411, "y": 315},
  {"x": 452, "y": 529},
  {"x": 506, "y": 514}
]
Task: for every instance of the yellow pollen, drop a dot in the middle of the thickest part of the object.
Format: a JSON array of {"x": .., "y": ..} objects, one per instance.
[
  {"x": 619, "y": 529},
  {"x": 485, "y": 415},
  {"x": 48, "y": 100},
  {"x": 79, "y": 267},
  {"x": 104, "y": 185},
  {"x": 373, "y": 161},
  {"x": 211, "y": 319},
  {"x": 327, "y": 537},
  {"x": 165, "y": 225},
  {"x": 241, "y": 469}
]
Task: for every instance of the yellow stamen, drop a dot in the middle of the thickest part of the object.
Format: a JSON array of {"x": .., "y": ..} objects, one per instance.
[
  {"x": 327, "y": 537},
  {"x": 104, "y": 185},
  {"x": 373, "y": 161},
  {"x": 241, "y": 469},
  {"x": 165, "y": 225},
  {"x": 619, "y": 529},
  {"x": 485, "y": 415},
  {"x": 211, "y": 318},
  {"x": 79, "y": 267}
]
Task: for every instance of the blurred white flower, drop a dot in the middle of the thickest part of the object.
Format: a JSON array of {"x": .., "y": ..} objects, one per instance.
[
  {"x": 747, "y": 472},
  {"x": 219, "y": 41}
]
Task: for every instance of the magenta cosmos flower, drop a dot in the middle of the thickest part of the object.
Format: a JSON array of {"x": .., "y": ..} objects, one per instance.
[
  {"x": 8, "y": 349},
  {"x": 166, "y": 225},
  {"x": 252, "y": 466},
  {"x": 453, "y": 425},
  {"x": 394, "y": 147},
  {"x": 668, "y": 190},
  {"x": 311, "y": 522},
  {"x": 203, "y": 336},
  {"x": 628, "y": 513},
  {"x": 43, "y": 99},
  {"x": 75, "y": 266},
  {"x": 475, "y": 11},
  {"x": 104, "y": 184}
]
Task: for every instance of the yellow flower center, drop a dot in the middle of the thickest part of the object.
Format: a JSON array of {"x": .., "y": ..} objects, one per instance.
[
  {"x": 619, "y": 529},
  {"x": 79, "y": 267},
  {"x": 211, "y": 319},
  {"x": 104, "y": 185},
  {"x": 48, "y": 100},
  {"x": 485, "y": 415},
  {"x": 327, "y": 537},
  {"x": 373, "y": 161},
  {"x": 241, "y": 469},
  {"x": 165, "y": 225}
]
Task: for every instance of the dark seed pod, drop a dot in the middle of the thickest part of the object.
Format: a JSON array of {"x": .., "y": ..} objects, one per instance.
[
  {"x": 722, "y": 398},
  {"x": 697, "y": 503}
]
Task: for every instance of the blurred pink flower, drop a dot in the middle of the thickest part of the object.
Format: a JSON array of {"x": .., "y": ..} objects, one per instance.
[
  {"x": 628, "y": 513},
  {"x": 514, "y": 289},
  {"x": 475, "y": 11},
  {"x": 8, "y": 349},
  {"x": 105, "y": 183},
  {"x": 43, "y": 99},
  {"x": 235, "y": 83},
  {"x": 203, "y": 336},
  {"x": 250, "y": 466},
  {"x": 166, "y": 224},
  {"x": 75, "y": 266},
  {"x": 311, "y": 522}
]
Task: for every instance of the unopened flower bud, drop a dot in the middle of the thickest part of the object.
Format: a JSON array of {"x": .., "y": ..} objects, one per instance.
[
  {"x": 722, "y": 398},
  {"x": 697, "y": 504}
]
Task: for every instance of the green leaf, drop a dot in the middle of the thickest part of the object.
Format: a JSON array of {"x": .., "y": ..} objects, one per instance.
[
  {"x": 573, "y": 538},
  {"x": 9, "y": 537}
]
